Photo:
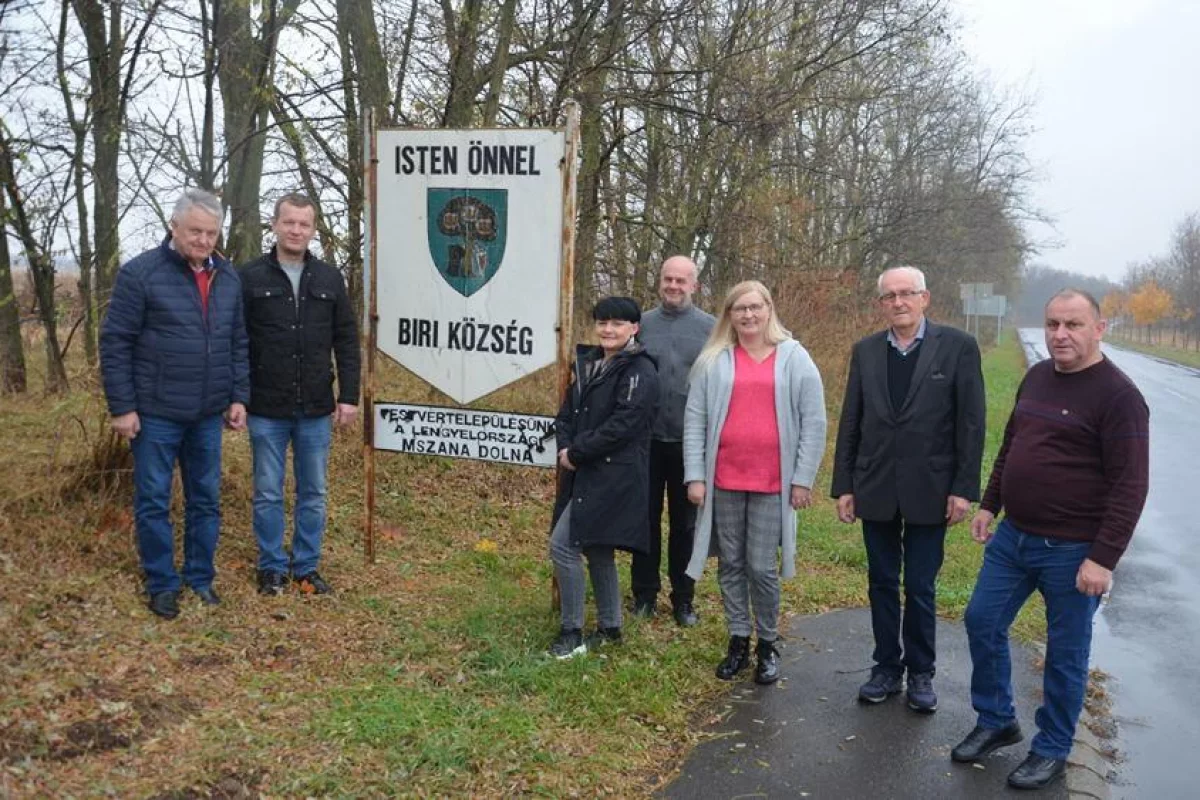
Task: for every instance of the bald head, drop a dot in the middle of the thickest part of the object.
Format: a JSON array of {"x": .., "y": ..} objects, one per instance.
[{"x": 677, "y": 282}]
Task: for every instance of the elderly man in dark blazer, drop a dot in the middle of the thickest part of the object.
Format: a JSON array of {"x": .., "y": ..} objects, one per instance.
[{"x": 909, "y": 447}]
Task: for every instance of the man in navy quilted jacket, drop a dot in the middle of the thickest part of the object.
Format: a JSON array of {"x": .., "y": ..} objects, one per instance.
[{"x": 174, "y": 358}]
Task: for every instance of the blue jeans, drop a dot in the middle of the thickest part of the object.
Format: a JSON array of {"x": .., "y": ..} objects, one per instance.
[
  {"x": 197, "y": 448},
  {"x": 920, "y": 548},
  {"x": 1014, "y": 565},
  {"x": 309, "y": 438}
]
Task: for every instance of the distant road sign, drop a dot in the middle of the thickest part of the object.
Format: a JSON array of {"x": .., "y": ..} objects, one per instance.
[
  {"x": 969, "y": 290},
  {"x": 995, "y": 305}
]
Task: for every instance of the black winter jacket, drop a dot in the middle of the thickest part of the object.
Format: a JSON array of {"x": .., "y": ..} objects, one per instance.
[
  {"x": 291, "y": 373},
  {"x": 604, "y": 425}
]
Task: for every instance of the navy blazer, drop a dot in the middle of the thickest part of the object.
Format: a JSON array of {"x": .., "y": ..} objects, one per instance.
[{"x": 910, "y": 459}]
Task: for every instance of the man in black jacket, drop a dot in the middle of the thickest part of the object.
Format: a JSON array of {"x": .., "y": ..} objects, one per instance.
[
  {"x": 909, "y": 447},
  {"x": 297, "y": 315}
]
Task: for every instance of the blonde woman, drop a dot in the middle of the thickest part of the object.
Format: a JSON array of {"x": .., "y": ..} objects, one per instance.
[{"x": 754, "y": 434}]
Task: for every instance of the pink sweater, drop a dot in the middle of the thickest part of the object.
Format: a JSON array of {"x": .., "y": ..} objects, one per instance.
[{"x": 748, "y": 453}]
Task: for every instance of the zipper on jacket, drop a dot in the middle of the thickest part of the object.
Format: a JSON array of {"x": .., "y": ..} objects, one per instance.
[
  {"x": 298, "y": 331},
  {"x": 207, "y": 318}
]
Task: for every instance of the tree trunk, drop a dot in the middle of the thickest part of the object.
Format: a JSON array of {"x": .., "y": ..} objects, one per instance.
[
  {"x": 292, "y": 136},
  {"x": 106, "y": 45},
  {"x": 245, "y": 72},
  {"x": 464, "y": 43},
  {"x": 41, "y": 267},
  {"x": 592, "y": 149},
  {"x": 79, "y": 133},
  {"x": 363, "y": 67},
  {"x": 12, "y": 356},
  {"x": 208, "y": 176},
  {"x": 107, "y": 51},
  {"x": 491, "y": 106}
]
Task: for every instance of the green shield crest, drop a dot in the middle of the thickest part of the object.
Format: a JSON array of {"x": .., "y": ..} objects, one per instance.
[{"x": 467, "y": 230}]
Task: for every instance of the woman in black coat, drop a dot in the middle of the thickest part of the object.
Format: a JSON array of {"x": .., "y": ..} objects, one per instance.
[{"x": 603, "y": 434}]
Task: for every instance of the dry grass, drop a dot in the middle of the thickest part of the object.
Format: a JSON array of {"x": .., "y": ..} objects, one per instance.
[{"x": 421, "y": 676}]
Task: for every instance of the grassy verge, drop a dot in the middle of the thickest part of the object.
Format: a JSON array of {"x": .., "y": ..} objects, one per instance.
[
  {"x": 1179, "y": 355},
  {"x": 832, "y": 555},
  {"x": 421, "y": 676}
]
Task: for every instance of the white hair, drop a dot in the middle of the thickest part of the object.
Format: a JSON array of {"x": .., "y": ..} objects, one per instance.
[
  {"x": 918, "y": 278},
  {"x": 197, "y": 198}
]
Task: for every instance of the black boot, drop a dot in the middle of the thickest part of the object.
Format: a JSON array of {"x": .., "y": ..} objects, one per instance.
[
  {"x": 767, "y": 670},
  {"x": 736, "y": 660}
]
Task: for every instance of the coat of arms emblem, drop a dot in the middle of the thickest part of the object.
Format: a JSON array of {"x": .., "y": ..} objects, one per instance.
[{"x": 467, "y": 230}]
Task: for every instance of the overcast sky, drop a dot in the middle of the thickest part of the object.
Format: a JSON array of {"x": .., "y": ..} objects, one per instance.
[{"x": 1117, "y": 118}]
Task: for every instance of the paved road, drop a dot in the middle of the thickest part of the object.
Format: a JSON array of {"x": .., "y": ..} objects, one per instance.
[
  {"x": 1148, "y": 634},
  {"x": 808, "y": 736}
]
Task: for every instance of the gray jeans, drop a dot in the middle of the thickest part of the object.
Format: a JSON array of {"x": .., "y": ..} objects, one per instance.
[
  {"x": 568, "y": 566},
  {"x": 749, "y": 532}
]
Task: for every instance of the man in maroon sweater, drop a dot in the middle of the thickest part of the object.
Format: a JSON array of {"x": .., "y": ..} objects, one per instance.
[{"x": 1071, "y": 477}]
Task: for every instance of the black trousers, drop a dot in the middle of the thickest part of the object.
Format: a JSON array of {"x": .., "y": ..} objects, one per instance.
[
  {"x": 666, "y": 473},
  {"x": 920, "y": 549}
]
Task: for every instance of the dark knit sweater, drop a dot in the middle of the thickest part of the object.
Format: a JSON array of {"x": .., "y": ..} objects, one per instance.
[
  {"x": 900, "y": 369},
  {"x": 1075, "y": 459}
]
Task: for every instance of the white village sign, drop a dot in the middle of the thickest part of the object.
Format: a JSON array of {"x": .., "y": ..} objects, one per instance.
[
  {"x": 469, "y": 241},
  {"x": 500, "y": 436}
]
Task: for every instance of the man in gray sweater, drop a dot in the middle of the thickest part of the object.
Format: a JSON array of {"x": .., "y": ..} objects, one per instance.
[{"x": 673, "y": 333}]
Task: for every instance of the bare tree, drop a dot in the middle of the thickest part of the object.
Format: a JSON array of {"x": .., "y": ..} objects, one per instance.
[
  {"x": 114, "y": 49},
  {"x": 12, "y": 355},
  {"x": 41, "y": 266},
  {"x": 79, "y": 166},
  {"x": 246, "y": 72}
]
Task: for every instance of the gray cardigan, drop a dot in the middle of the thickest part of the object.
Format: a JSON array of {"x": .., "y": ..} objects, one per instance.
[{"x": 800, "y": 412}]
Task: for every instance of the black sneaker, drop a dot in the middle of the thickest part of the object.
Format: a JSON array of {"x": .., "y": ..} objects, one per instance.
[
  {"x": 568, "y": 644},
  {"x": 880, "y": 687},
  {"x": 312, "y": 583},
  {"x": 271, "y": 583},
  {"x": 165, "y": 604},
  {"x": 685, "y": 615},
  {"x": 981, "y": 741},
  {"x": 602, "y": 637},
  {"x": 208, "y": 596},
  {"x": 767, "y": 669},
  {"x": 644, "y": 608},
  {"x": 736, "y": 659},
  {"x": 921, "y": 696},
  {"x": 1037, "y": 772}
]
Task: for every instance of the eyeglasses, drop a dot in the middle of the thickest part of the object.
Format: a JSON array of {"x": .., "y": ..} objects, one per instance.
[
  {"x": 907, "y": 294},
  {"x": 752, "y": 308}
]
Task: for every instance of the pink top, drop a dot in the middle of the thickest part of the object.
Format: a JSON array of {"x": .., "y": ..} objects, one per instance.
[{"x": 748, "y": 453}]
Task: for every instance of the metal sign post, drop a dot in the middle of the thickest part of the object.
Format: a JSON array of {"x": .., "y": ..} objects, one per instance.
[
  {"x": 566, "y": 288},
  {"x": 370, "y": 161}
]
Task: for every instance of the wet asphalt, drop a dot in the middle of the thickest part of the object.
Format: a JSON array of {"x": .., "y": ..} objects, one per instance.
[
  {"x": 808, "y": 736},
  {"x": 1147, "y": 636}
]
